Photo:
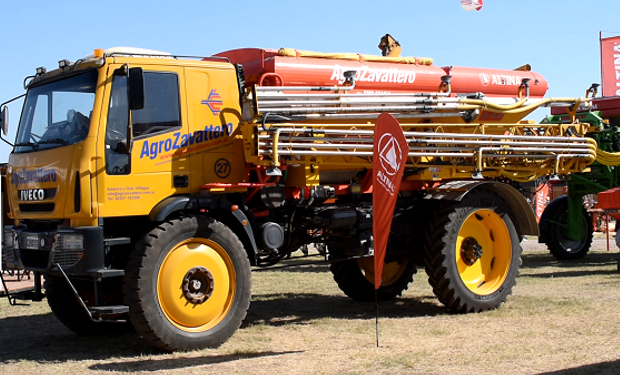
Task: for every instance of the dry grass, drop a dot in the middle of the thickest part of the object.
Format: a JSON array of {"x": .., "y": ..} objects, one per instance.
[{"x": 563, "y": 319}]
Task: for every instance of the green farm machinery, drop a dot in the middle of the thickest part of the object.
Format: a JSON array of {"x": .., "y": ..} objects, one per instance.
[{"x": 566, "y": 225}]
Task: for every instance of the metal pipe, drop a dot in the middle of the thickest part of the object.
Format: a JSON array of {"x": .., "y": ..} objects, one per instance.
[
  {"x": 504, "y": 143},
  {"x": 504, "y": 149},
  {"x": 359, "y": 141},
  {"x": 304, "y": 110},
  {"x": 373, "y": 116},
  {"x": 358, "y": 153},
  {"x": 276, "y": 138},
  {"x": 309, "y": 103},
  {"x": 473, "y": 153},
  {"x": 428, "y": 134}
]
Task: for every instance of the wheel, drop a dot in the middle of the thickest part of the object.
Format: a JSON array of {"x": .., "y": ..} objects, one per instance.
[
  {"x": 557, "y": 243},
  {"x": 68, "y": 310},
  {"x": 356, "y": 278},
  {"x": 188, "y": 284},
  {"x": 472, "y": 253}
]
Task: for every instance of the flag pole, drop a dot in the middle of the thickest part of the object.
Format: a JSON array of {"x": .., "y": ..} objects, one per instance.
[
  {"x": 390, "y": 152},
  {"x": 600, "y": 48},
  {"x": 377, "y": 316}
]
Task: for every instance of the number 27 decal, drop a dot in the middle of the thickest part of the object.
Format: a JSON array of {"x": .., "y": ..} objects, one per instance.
[{"x": 222, "y": 168}]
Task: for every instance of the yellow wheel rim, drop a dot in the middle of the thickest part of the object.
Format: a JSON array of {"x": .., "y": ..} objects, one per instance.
[
  {"x": 391, "y": 271},
  {"x": 485, "y": 272},
  {"x": 179, "y": 266}
]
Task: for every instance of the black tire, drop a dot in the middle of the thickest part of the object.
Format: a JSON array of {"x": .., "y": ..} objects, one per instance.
[
  {"x": 176, "y": 256},
  {"x": 463, "y": 278},
  {"x": 561, "y": 247},
  {"x": 70, "y": 312},
  {"x": 355, "y": 277}
]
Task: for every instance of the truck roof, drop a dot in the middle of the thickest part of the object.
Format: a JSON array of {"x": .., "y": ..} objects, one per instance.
[{"x": 140, "y": 56}]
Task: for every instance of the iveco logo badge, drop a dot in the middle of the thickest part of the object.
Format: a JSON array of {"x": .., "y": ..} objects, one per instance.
[{"x": 32, "y": 195}]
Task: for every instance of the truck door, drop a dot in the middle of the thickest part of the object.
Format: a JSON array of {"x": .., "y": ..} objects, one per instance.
[{"x": 143, "y": 167}]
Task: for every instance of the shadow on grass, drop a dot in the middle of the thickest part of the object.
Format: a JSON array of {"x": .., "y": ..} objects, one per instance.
[
  {"x": 603, "y": 368},
  {"x": 592, "y": 264},
  {"x": 295, "y": 308},
  {"x": 178, "y": 363},
  {"x": 594, "y": 261},
  {"x": 558, "y": 274},
  {"x": 42, "y": 338}
]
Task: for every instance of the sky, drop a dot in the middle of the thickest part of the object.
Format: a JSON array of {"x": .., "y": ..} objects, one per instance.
[{"x": 559, "y": 39}]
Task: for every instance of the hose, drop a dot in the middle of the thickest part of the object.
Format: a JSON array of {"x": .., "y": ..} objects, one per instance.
[
  {"x": 516, "y": 107},
  {"x": 500, "y": 107},
  {"x": 609, "y": 159}
]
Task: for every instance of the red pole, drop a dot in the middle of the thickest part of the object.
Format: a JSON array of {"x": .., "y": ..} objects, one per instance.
[
  {"x": 607, "y": 228},
  {"x": 600, "y": 47}
]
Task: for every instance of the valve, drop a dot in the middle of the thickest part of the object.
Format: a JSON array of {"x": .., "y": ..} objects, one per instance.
[
  {"x": 593, "y": 89},
  {"x": 524, "y": 88},
  {"x": 445, "y": 87}
]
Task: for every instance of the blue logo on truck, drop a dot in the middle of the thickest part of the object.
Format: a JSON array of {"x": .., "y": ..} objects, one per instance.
[
  {"x": 33, "y": 176},
  {"x": 178, "y": 140}
]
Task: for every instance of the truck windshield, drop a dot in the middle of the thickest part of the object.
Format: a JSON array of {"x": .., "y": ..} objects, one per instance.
[{"x": 57, "y": 114}]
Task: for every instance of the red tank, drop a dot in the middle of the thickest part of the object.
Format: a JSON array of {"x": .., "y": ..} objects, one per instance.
[{"x": 270, "y": 68}]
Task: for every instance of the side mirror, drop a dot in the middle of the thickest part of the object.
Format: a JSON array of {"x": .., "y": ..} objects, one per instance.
[
  {"x": 123, "y": 148},
  {"x": 4, "y": 120},
  {"x": 135, "y": 85}
]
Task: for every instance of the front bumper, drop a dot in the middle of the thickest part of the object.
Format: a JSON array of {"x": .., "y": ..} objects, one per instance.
[{"x": 79, "y": 251}]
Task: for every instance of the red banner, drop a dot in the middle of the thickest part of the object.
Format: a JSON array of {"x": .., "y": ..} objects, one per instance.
[
  {"x": 542, "y": 199},
  {"x": 389, "y": 157},
  {"x": 610, "y": 65}
]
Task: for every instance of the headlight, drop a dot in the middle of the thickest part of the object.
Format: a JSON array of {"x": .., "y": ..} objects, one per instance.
[
  {"x": 15, "y": 240},
  {"x": 73, "y": 241},
  {"x": 7, "y": 237}
]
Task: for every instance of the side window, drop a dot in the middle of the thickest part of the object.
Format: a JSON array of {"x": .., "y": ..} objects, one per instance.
[
  {"x": 40, "y": 119},
  {"x": 161, "y": 110}
]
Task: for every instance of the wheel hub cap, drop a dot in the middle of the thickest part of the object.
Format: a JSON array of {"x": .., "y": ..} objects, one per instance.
[
  {"x": 471, "y": 251},
  {"x": 198, "y": 285}
]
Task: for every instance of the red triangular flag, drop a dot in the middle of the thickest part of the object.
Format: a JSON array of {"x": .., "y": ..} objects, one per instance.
[{"x": 389, "y": 158}]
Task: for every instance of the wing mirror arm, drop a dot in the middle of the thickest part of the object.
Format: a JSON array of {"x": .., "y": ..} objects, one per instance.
[
  {"x": 135, "y": 95},
  {"x": 135, "y": 85},
  {"x": 4, "y": 118}
]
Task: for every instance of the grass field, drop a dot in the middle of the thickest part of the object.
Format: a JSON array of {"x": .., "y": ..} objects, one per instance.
[{"x": 562, "y": 319}]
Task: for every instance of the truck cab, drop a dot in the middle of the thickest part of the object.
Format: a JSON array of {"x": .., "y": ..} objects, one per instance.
[{"x": 108, "y": 138}]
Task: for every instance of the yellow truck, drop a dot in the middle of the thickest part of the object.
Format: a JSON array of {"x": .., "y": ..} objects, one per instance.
[{"x": 143, "y": 187}]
